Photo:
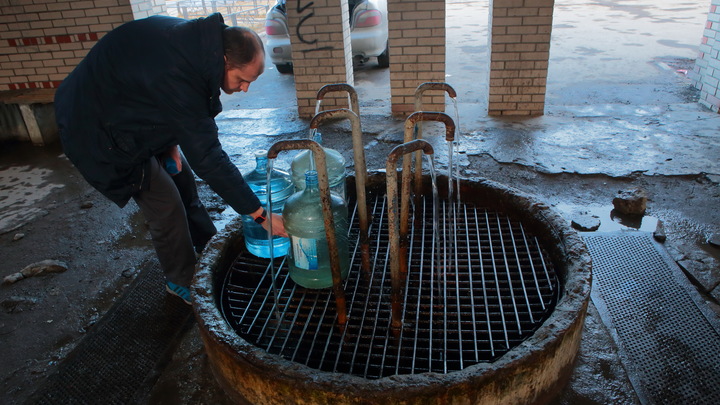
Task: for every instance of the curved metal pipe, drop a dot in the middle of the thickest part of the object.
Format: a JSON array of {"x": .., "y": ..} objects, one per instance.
[
  {"x": 360, "y": 173},
  {"x": 324, "y": 186},
  {"x": 421, "y": 89},
  {"x": 398, "y": 256},
  {"x": 419, "y": 92},
  {"x": 410, "y": 122},
  {"x": 419, "y": 116},
  {"x": 353, "y": 102}
]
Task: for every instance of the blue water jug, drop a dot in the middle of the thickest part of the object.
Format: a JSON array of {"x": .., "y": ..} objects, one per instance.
[
  {"x": 309, "y": 257},
  {"x": 281, "y": 187}
]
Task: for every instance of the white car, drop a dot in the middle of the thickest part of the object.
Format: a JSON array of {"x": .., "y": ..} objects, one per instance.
[{"x": 368, "y": 32}]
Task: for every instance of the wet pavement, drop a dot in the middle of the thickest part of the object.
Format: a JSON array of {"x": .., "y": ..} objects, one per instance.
[{"x": 620, "y": 115}]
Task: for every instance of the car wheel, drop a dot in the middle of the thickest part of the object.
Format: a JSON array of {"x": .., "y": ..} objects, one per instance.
[
  {"x": 384, "y": 58},
  {"x": 285, "y": 68}
]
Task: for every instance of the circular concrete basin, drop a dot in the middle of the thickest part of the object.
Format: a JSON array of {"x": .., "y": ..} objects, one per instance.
[{"x": 532, "y": 372}]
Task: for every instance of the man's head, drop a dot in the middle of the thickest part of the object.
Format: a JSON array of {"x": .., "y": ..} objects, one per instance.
[{"x": 244, "y": 58}]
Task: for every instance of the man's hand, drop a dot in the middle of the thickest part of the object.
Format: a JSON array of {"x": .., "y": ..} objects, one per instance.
[
  {"x": 278, "y": 225},
  {"x": 174, "y": 154}
]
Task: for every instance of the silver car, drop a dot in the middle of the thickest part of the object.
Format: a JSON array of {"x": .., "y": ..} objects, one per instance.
[{"x": 368, "y": 33}]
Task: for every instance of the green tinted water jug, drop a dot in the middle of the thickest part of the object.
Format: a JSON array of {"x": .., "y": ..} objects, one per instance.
[
  {"x": 309, "y": 257},
  {"x": 334, "y": 161}
]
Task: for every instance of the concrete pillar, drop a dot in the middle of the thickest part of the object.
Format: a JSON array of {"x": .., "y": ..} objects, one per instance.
[
  {"x": 321, "y": 51},
  {"x": 519, "y": 51},
  {"x": 706, "y": 72},
  {"x": 417, "y": 52}
]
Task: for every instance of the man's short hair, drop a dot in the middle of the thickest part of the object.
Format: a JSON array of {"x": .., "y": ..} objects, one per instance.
[{"x": 241, "y": 45}]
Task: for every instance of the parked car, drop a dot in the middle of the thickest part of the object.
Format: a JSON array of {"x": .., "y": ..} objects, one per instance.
[{"x": 368, "y": 32}]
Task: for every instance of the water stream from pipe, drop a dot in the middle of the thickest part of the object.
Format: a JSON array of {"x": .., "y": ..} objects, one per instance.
[
  {"x": 311, "y": 137},
  {"x": 436, "y": 222},
  {"x": 435, "y": 264},
  {"x": 457, "y": 142},
  {"x": 270, "y": 164}
]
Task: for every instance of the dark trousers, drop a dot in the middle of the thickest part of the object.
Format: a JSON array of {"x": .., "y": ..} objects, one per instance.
[{"x": 179, "y": 223}]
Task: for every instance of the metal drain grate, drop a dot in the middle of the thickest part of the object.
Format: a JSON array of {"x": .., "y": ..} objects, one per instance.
[
  {"x": 496, "y": 289},
  {"x": 669, "y": 340},
  {"x": 117, "y": 362}
]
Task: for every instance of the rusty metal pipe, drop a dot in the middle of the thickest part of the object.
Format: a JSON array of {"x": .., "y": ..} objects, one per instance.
[
  {"x": 419, "y": 92},
  {"x": 419, "y": 116},
  {"x": 410, "y": 122},
  {"x": 396, "y": 255},
  {"x": 434, "y": 86},
  {"x": 338, "y": 87},
  {"x": 360, "y": 173},
  {"x": 324, "y": 186}
]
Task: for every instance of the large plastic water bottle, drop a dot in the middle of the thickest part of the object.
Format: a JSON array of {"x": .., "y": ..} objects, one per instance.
[
  {"x": 256, "y": 237},
  {"x": 334, "y": 161},
  {"x": 309, "y": 257}
]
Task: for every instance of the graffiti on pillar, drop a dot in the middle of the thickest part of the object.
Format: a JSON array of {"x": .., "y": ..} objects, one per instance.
[{"x": 301, "y": 8}]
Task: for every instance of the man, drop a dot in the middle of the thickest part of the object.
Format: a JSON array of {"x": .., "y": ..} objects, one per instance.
[{"x": 144, "y": 89}]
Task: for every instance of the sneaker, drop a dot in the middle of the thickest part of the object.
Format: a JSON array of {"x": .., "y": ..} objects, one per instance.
[{"x": 180, "y": 291}]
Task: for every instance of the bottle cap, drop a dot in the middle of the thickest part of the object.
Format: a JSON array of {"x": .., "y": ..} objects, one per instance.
[{"x": 311, "y": 176}]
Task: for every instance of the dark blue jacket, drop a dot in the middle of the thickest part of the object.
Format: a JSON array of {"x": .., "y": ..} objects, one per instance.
[{"x": 144, "y": 87}]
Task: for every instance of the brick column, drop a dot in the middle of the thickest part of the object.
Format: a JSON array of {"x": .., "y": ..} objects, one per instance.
[
  {"x": 321, "y": 51},
  {"x": 417, "y": 52},
  {"x": 519, "y": 52},
  {"x": 706, "y": 73}
]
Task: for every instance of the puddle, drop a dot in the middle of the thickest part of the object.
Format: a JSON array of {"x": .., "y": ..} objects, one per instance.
[
  {"x": 227, "y": 215},
  {"x": 609, "y": 220},
  {"x": 261, "y": 121},
  {"x": 21, "y": 188},
  {"x": 710, "y": 250},
  {"x": 136, "y": 234}
]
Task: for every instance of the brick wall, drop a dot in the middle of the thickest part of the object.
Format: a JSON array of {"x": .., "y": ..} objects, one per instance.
[
  {"x": 706, "y": 73},
  {"x": 321, "y": 51},
  {"x": 417, "y": 52},
  {"x": 147, "y": 8},
  {"x": 41, "y": 41},
  {"x": 519, "y": 52}
]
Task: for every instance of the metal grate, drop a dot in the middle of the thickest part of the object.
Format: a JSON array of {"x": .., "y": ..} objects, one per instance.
[
  {"x": 489, "y": 289},
  {"x": 119, "y": 360},
  {"x": 668, "y": 338}
]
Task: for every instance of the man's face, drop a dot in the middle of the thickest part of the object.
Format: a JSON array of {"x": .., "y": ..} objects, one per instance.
[{"x": 239, "y": 79}]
